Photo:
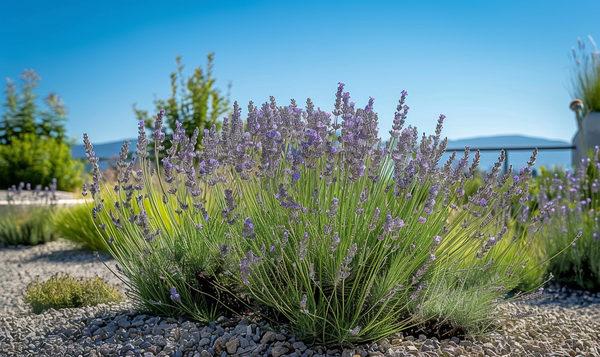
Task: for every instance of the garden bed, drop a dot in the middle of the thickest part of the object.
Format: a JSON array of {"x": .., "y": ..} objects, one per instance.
[{"x": 562, "y": 322}]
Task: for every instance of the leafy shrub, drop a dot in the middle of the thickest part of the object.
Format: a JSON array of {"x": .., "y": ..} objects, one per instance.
[
  {"x": 34, "y": 146},
  {"x": 346, "y": 240},
  {"x": 63, "y": 291},
  {"x": 576, "y": 212},
  {"x": 194, "y": 102},
  {"x": 30, "y": 158}
]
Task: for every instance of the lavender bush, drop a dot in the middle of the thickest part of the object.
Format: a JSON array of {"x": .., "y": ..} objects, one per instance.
[
  {"x": 576, "y": 211},
  {"x": 168, "y": 253},
  {"x": 27, "y": 219},
  {"x": 347, "y": 239}
]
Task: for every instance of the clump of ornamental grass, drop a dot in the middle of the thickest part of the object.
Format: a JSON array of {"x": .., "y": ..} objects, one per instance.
[
  {"x": 576, "y": 212},
  {"x": 585, "y": 79},
  {"x": 348, "y": 240},
  {"x": 27, "y": 219},
  {"x": 76, "y": 224},
  {"x": 64, "y": 291}
]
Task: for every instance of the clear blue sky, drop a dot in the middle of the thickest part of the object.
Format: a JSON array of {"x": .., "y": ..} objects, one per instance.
[{"x": 492, "y": 67}]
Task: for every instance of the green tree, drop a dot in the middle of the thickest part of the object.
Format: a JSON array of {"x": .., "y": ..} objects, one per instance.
[
  {"x": 22, "y": 116},
  {"x": 194, "y": 102},
  {"x": 34, "y": 146}
]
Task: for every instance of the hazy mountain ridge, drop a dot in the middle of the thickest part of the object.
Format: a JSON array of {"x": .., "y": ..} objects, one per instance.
[
  {"x": 547, "y": 158},
  {"x": 104, "y": 151}
]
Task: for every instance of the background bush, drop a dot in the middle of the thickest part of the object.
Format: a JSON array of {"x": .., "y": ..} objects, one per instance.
[
  {"x": 195, "y": 102},
  {"x": 33, "y": 143},
  {"x": 30, "y": 158},
  {"x": 26, "y": 224},
  {"x": 576, "y": 211}
]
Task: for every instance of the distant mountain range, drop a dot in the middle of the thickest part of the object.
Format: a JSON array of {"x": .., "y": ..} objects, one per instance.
[{"x": 546, "y": 158}]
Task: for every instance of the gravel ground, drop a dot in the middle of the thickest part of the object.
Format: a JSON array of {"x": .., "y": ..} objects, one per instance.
[{"x": 562, "y": 323}]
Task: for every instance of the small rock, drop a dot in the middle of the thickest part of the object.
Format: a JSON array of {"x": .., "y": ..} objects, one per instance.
[
  {"x": 279, "y": 351},
  {"x": 268, "y": 337},
  {"x": 232, "y": 345},
  {"x": 300, "y": 346},
  {"x": 244, "y": 343},
  {"x": 220, "y": 345},
  {"x": 427, "y": 348},
  {"x": 489, "y": 352}
]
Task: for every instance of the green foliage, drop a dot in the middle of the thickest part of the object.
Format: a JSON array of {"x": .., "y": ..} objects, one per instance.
[
  {"x": 346, "y": 241},
  {"x": 181, "y": 256},
  {"x": 586, "y": 78},
  {"x": 576, "y": 212},
  {"x": 33, "y": 159},
  {"x": 63, "y": 291},
  {"x": 34, "y": 147},
  {"x": 194, "y": 102},
  {"x": 77, "y": 225},
  {"x": 26, "y": 224}
]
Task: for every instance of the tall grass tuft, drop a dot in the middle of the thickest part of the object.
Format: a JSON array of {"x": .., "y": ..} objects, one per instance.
[
  {"x": 76, "y": 224},
  {"x": 586, "y": 77}
]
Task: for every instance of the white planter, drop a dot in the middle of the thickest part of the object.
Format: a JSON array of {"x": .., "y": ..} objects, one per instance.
[{"x": 591, "y": 128}]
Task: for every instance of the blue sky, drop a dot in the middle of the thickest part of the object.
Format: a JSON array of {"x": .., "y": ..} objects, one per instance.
[{"x": 492, "y": 67}]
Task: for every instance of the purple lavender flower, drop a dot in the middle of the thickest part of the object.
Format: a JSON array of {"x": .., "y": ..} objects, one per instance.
[
  {"x": 303, "y": 301},
  {"x": 422, "y": 219},
  {"x": 248, "y": 231},
  {"x": 174, "y": 295},
  {"x": 355, "y": 331},
  {"x": 296, "y": 176},
  {"x": 516, "y": 179}
]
